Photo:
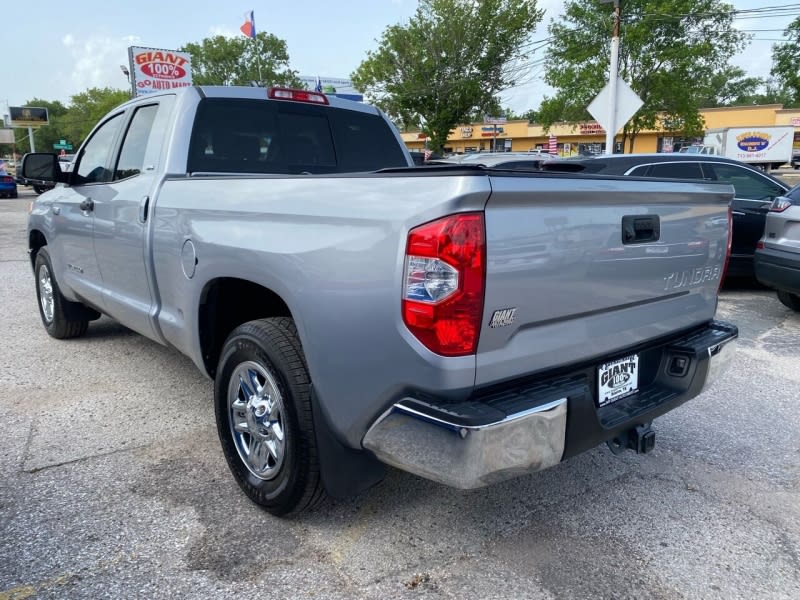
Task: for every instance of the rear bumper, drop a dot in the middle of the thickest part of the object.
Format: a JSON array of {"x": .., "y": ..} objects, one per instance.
[
  {"x": 778, "y": 269},
  {"x": 534, "y": 424}
]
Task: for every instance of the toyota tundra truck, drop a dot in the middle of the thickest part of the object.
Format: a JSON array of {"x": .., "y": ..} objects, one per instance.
[{"x": 463, "y": 323}]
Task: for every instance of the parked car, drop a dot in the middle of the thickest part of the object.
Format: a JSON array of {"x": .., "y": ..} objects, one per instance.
[
  {"x": 777, "y": 259},
  {"x": 755, "y": 190},
  {"x": 8, "y": 187},
  {"x": 795, "y": 162}
]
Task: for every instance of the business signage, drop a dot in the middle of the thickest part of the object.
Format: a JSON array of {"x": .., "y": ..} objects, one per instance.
[
  {"x": 27, "y": 116},
  {"x": 466, "y": 132},
  {"x": 157, "y": 70},
  {"x": 590, "y": 129},
  {"x": 495, "y": 120},
  {"x": 753, "y": 141},
  {"x": 795, "y": 122}
]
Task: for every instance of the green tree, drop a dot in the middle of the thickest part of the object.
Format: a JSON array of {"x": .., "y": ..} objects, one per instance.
[
  {"x": 784, "y": 62},
  {"x": 86, "y": 109},
  {"x": 43, "y": 137},
  {"x": 448, "y": 62},
  {"x": 220, "y": 60},
  {"x": 731, "y": 87},
  {"x": 669, "y": 50}
]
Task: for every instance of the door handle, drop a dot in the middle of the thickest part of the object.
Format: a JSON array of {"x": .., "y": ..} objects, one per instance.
[
  {"x": 87, "y": 205},
  {"x": 143, "y": 205},
  {"x": 738, "y": 213}
]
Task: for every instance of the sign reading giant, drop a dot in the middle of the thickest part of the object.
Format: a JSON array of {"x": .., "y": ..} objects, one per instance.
[{"x": 155, "y": 70}]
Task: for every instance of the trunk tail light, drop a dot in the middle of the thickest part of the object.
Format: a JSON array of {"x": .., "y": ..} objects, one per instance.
[
  {"x": 780, "y": 204},
  {"x": 727, "y": 250},
  {"x": 280, "y": 93},
  {"x": 443, "y": 283}
]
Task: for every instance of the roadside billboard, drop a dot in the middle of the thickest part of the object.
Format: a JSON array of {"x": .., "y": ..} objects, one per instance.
[
  {"x": 158, "y": 70},
  {"x": 27, "y": 116}
]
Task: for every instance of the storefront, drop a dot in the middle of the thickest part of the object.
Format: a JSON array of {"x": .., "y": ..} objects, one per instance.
[{"x": 573, "y": 139}]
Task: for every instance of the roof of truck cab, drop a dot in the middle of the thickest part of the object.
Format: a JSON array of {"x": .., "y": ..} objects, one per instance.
[{"x": 250, "y": 93}]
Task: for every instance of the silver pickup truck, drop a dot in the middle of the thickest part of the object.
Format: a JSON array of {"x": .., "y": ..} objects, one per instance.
[{"x": 463, "y": 323}]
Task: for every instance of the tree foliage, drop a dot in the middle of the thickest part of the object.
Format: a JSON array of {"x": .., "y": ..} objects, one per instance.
[
  {"x": 669, "y": 51},
  {"x": 731, "y": 87},
  {"x": 72, "y": 122},
  {"x": 448, "y": 62},
  {"x": 784, "y": 63},
  {"x": 220, "y": 60}
]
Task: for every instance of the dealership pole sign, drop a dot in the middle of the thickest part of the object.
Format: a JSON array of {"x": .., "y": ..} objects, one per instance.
[{"x": 157, "y": 70}]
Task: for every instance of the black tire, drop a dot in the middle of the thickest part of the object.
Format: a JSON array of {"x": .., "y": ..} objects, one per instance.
[
  {"x": 255, "y": 349},
  {"x": 14, "y": 194},
  {"x": 789, "y": 300},
  {"x": 62, "y": 319}
]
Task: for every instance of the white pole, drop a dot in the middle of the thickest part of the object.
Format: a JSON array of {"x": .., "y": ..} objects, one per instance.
[
  {"x": 612, "y": 83},
  {"x": 30, "y": 138}
]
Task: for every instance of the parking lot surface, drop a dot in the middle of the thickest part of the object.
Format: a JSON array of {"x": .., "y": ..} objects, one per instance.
[{"x": 113, "y": 485}]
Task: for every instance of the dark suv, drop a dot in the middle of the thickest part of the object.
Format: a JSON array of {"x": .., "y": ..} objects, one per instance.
[{"x": 755, "y": 190}]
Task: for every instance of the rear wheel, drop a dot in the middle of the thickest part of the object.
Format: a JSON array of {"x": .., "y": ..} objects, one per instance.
[
  {"x": 61, "y": 318},
  {"x": 262, "y": 400},
  {"x": 790, "y": 300}
]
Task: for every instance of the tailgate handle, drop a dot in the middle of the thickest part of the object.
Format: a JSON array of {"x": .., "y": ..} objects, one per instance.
[{"x": 638, "y": 229}]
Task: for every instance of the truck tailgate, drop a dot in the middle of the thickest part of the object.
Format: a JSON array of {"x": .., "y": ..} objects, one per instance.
[{"x": 611, "y": 260}]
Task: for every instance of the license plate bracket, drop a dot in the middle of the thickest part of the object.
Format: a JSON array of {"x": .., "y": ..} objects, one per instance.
[{"x": 617, "y": 379}]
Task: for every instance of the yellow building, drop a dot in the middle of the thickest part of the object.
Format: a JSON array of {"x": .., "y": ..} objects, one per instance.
[{"x": 574, "y": 138}]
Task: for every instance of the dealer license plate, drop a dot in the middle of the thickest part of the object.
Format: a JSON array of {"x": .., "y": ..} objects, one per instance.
[{"x": 617, "y": 379}]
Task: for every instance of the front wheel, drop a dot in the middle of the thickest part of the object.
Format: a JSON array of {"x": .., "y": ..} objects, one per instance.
[
  {"x": 789, "y": 300},
  {"x": 262, "y": 400},
  {"x": 61, "y": 318}
]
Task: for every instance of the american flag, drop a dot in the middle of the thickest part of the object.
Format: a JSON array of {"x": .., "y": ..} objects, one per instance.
[{"x": 552, "y": 145}]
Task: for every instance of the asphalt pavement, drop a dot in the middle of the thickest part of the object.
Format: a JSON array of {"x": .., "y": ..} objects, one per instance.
[{"x": 113, "y": 485}]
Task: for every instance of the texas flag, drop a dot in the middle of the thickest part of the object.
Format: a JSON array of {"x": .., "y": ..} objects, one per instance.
[{"x": 249, "y": 26}]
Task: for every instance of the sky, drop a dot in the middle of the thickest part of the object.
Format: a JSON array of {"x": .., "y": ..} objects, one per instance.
[{"x": 69, "y": 46}]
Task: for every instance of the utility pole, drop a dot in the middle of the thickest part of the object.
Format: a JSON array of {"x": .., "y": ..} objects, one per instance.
[{"x": 611, "y": 130}]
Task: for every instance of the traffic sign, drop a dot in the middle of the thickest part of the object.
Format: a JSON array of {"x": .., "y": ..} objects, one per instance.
[
  {"x": 62, "y": 146},
  {"x": 627, "y": 105}
]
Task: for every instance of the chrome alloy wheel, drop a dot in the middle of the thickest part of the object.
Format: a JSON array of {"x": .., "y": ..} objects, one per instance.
[
  {"x": 46, "y": 293},
  {"x": 256, "y": 419}
]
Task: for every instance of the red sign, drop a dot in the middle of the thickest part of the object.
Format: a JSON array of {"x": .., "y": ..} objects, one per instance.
[{"x": 590, "y": 128}]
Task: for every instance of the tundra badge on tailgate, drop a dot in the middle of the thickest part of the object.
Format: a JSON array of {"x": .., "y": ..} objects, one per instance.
[{"x": 503, "y": 317}]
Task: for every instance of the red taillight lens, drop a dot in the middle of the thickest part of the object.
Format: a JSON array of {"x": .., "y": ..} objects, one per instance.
[
  {"x": 279, "y": 93},
  {"x": 444, "y": 283},
  {"x": 7, "y": 179},
  {"x": 780, "y": 204},
  {"x": 727, "y": 250}
]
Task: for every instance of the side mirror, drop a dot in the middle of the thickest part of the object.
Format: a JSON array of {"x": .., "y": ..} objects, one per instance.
[{"x": 41, "y": 166}]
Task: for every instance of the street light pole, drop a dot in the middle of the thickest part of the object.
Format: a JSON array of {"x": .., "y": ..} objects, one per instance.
[{"x": 612, "y": 82}]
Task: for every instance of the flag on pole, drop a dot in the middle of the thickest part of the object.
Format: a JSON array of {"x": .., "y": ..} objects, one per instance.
[
  {"x": 318, "y": 86},
  {"x": 249, "y": 26}
]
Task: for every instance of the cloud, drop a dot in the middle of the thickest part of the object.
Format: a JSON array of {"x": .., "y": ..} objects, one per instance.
[
  {"x": 95, "y": 62},
  {"x": 224, "y": 31}
]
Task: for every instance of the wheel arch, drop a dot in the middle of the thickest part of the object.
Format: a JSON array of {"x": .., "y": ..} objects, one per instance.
[
  {"x": 224, "y": 304},
  {"x": 36, "y": 241}
]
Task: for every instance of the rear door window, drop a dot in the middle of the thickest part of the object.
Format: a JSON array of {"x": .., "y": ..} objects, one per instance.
[
  {"x": 748, "y": 184},
  {"x": 676, "y": 170},
  {"x": 131, "y": 157},
  {"x": 260, "y": 136}
]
